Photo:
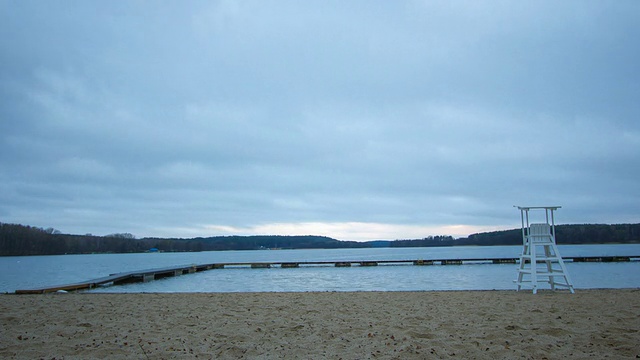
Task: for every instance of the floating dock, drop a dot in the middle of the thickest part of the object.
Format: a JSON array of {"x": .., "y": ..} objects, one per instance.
[{"x": 155, "y": 274}]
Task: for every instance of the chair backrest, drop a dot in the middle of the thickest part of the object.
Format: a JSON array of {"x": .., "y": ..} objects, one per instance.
[{"x": 539, "y": 232}]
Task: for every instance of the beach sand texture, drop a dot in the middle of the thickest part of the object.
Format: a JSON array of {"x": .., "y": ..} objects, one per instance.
[{"x": 323, "y": 325}]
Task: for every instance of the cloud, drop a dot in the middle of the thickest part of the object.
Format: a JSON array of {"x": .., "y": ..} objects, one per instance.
[{"x": 362, "y": 120}]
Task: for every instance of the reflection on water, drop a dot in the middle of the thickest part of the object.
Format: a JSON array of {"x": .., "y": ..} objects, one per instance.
[{"x": 35, "y": 271}]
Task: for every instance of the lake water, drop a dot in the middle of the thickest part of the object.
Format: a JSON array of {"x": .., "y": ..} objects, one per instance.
[{"x": 39, "y": 271}]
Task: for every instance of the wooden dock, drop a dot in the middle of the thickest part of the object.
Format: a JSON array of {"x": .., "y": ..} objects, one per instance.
[{"x": 155, "y": 274}]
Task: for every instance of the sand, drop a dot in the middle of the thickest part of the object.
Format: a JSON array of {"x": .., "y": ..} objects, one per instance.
[{"x": 344, "y": 325}]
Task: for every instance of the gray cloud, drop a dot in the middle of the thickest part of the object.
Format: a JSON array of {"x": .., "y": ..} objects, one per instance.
[{"x": 257, "y": 116}]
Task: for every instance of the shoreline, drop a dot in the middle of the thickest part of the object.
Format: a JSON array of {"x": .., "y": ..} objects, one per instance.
[{"x": 302, "y": 325}]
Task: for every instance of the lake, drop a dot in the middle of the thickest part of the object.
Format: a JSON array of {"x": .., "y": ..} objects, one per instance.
[{"x": 38, "y": 271}]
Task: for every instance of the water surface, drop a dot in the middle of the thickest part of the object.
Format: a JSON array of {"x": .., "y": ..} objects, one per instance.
[{"x": 39, "y": 271}]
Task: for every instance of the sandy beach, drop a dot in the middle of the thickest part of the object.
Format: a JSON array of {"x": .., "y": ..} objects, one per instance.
[{"x": 344, "y": 325}]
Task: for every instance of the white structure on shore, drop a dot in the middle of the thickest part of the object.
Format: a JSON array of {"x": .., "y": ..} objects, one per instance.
[{"x": 540, "y": 261}]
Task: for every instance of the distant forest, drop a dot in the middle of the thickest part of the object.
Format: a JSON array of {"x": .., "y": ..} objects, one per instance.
[
  {"x": 17, "y": 240},
  {"x": 565, "y": 234}
]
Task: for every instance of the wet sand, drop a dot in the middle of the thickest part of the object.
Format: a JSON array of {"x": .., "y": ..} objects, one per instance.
[{"x": 331, "y": 325}]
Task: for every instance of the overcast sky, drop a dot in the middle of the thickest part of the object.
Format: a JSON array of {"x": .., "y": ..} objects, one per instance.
[{"x": 357, "y": 120}]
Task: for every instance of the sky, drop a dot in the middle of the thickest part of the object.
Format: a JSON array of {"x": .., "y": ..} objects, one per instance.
[{"x": 358, "y": 120}]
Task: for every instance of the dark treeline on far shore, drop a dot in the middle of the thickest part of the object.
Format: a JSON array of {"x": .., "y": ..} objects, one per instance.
[{"x": 16, "y": 240}]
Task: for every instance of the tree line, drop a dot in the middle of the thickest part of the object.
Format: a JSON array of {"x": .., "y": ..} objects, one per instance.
[
  {"x": 565, "y": 234},
  {"x": 17, "y": 240}
]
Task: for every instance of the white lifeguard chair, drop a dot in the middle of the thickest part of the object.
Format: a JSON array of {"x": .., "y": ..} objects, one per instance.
[{"x": 540, "y": 261}]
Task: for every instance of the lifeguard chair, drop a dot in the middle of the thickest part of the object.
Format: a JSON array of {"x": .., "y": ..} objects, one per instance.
[{"x": 540, "y": 261}]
